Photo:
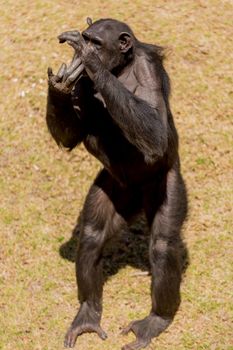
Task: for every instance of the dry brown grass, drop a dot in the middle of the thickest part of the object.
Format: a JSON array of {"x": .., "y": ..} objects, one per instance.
[{"x": 42, "y": 189}]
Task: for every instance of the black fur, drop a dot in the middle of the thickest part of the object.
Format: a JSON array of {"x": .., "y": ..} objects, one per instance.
[{"x": 120, "y": 110}]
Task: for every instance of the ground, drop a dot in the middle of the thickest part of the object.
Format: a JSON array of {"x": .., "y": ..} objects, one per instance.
[{"x": 42, "y": 188}]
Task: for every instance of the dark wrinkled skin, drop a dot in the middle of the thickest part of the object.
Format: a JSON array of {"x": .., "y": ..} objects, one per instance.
[{"x": 113, "y": 97}]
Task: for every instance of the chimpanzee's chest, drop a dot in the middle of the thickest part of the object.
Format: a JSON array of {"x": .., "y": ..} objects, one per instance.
[
  {"x": 105, "y": 139},
  {"x": 102, "y": 131}
]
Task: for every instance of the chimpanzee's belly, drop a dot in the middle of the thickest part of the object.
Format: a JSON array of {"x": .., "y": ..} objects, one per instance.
[{"x": 121, "y": 159}]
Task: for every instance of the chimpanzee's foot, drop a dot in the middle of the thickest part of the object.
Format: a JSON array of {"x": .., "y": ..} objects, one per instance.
[
  {"x": 145, "y": 330},
  {"x": 86, "y": 321},
  {"x": 73, "y": 332}
]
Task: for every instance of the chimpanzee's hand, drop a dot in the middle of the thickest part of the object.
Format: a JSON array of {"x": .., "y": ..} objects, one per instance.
[
  {"x": 64, "y": 81},
  {"x": 91, "y": 60},
  {"x": 86, "y": 51}
]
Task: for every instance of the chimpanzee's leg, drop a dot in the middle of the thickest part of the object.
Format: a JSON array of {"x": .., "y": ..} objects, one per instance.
[
  {"x": 169, "y": 204},
  {"x": 101, "y": 219}
]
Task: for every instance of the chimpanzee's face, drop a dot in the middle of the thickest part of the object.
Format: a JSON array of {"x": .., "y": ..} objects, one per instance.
[{"x": 105, "y": 38}]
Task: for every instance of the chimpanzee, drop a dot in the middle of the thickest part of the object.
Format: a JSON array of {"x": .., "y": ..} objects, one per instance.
[{"x": 114, "y": 97}]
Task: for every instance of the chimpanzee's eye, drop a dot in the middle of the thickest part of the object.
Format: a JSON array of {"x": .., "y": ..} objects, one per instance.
[
  {"x": 97, "y": 44},
  {"x": 86, "y": 38}
]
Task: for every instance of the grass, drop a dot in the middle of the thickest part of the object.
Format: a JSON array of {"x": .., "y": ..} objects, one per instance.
[{"x": 42, "y": 189}]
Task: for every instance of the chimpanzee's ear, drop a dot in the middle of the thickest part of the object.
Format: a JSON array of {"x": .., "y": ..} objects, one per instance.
[{"x": 126, "y": 41}]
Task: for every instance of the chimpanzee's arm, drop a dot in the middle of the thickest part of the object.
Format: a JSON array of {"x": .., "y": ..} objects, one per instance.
[
  {"x": 142, "y": 118},
  {"x": 63, "y": 122}
]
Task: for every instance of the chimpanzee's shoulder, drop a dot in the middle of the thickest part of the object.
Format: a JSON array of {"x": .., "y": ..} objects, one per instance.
[{"x": 145, "y": 71}]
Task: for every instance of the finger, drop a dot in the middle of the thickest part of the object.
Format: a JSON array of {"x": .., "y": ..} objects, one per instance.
[
  {"x": 74, "y": 64},
  {"x": 77, "y": 45},
  {"x": 61, "y": 71},
  {"x": 50, "y": 72},
  {"x": 75, "y": 75},
  {"x": 75, "y": 57},
  {"x": 69, "y": 35}
]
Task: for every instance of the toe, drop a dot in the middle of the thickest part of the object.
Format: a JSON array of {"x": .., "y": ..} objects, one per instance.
[
  {"x": 136, "y": 345},
  {"x": 101, "y": 333},
  {"x": 70, "y": 339},
  {"x": 127, "y": 329}
]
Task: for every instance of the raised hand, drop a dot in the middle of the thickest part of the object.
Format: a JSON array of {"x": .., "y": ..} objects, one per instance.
[
  {"x": 66, "y": 77},
  {"x": 85, "y": 50}
]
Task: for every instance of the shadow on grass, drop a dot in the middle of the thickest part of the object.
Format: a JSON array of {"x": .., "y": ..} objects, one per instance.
[{"x": 128, "y": 248}]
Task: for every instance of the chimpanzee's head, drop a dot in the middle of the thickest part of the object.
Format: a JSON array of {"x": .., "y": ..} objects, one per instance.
[{"x": 113, "y": 39}]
